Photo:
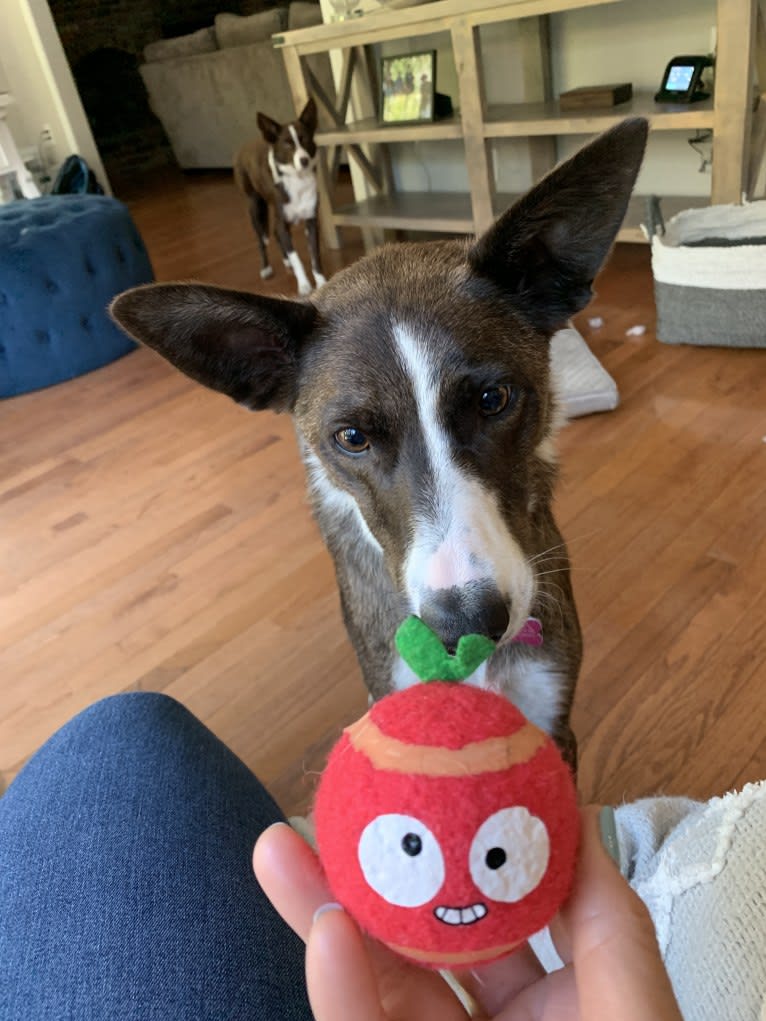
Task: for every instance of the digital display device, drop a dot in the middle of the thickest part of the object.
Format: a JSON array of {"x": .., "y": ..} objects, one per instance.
[
  {"x": 680, "y": 78},
  {"x": 682, "y": 81}
]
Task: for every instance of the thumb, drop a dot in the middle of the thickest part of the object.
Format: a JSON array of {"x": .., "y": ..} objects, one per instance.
[
  {"x": 340, "y": 977},
  {"x": 607, "y": 933}
]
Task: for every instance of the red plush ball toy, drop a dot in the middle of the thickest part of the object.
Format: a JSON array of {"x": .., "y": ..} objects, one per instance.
[{"x": 446, "y": 823}]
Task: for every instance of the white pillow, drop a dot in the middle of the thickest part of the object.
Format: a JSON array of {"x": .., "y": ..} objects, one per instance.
[{"x": 233, "y": 30}]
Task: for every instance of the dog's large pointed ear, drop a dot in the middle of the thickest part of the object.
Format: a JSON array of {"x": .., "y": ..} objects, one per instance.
[
  {"x": 308, "y": 117},
  {"x": 547, "y": 248},
  {"x": 243, "y": 345},
  {"x": 269, "y": 128}
]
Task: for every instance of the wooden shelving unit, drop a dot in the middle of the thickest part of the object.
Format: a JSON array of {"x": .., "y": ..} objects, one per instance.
[
  {"x": 370, "y": 130},
  {"x": 538, "y": 119},
  {"x": 520, "y": 120},
  {"x": 449, "y": 212},
  {"x": 439, "y": 211},
  {"x": 523, "y": 120}
]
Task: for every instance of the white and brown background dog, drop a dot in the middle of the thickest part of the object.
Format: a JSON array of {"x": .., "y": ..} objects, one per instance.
[
  {"x": 155, "y": 536},
  {"x": 277, "y": 174},
  {"x": 419, "y": 383}
]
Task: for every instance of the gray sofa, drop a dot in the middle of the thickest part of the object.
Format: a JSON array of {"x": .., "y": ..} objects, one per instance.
[{"x": 207, "y": 87}]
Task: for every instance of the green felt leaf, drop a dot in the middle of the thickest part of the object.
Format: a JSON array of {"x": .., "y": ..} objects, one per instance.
[
  {"x": 424, "y": 652},
  {"x": 471, "y": 652}
]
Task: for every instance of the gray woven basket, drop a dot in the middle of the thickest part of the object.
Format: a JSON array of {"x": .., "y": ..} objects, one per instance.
[{"x": 709, "y": 269}]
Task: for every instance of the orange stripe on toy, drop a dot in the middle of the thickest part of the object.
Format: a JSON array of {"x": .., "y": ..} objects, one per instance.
[
  {"x": 493, "y": 753},
  {"x": 439, "y": 959}
]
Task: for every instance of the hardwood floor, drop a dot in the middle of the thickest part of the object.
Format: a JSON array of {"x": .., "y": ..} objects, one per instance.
[{"x": 155, "y": 536}]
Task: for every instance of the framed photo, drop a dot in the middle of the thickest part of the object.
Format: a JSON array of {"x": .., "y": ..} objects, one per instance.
[{"x": 407, "y": 88}]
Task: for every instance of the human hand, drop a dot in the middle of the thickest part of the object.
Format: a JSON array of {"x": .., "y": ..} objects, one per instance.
[{"x": 613, "y": 970}]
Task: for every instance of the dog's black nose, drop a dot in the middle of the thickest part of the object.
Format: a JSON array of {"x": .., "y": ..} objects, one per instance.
[
  {"x": 304, "y": 161},
  {"x": 476, "y": 609}
]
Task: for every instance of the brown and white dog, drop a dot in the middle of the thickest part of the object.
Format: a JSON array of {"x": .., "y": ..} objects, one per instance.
[
  {"x": 278, "y": 173},
  {"x": 420, "y": 387}
]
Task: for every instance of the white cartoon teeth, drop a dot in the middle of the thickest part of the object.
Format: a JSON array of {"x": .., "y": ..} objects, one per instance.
[{"x": 461, "y": 916}]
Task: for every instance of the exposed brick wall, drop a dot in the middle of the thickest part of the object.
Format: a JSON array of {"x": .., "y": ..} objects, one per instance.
[
  {"x": 90, "y": 29},
  {"x": 104, "y": 42},
  {"x": 87, "y": 25},
  {"x": 129, "y": 136}
]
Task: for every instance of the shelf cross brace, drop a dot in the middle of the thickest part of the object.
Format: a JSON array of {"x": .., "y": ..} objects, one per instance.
[{"x": 353, "y": 148}]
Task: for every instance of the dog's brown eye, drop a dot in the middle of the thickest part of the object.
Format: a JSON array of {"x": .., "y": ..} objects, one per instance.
[
  {"x": 495, "y": 399},
  {"x": 352, "y": 440}
]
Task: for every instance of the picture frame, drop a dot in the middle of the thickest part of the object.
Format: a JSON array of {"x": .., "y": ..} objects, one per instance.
[{"x": 408, "y": 88}]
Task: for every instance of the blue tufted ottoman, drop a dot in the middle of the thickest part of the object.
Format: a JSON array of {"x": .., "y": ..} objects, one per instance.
[{"x": 62, "y": 260}]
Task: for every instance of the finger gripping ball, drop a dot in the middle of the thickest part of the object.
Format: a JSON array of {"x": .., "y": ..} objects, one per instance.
[{"x": 447, "y": 824}]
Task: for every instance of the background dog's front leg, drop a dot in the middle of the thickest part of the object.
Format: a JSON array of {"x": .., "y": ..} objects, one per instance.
[
  {"x": 259, "y": 217},
  {"x": 285, "y": 260},
  {"x": 286, "y": 241},
  {"x": 312, "y": 236}
]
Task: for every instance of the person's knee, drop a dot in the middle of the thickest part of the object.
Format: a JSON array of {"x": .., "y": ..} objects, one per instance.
[
  {"x": 143, "y": 709},
  {"x": 131, "y": 720},
  {"x": 125, "y": 740}
]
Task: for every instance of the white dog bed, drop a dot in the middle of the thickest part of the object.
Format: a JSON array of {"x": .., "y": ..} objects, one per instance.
[{"x": 583, "y": 384}]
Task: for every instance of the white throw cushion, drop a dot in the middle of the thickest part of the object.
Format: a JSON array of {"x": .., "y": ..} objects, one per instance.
[
  {"x": 233, "y": 30},
  {"x": 190, "y": 45},
  {"x": 302, "y": 14}
]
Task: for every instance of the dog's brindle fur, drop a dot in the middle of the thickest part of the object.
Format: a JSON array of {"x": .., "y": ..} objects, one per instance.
[
  {"x": 419, "y": 383},
  {"x": 278, "y": 172}
]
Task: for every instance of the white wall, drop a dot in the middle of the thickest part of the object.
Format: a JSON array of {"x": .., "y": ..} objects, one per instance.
[
  {"x": 38, "y": 76},
  {"x": 633, "y": 41},
  {"x": 440, "y": 166},
  {"x": 4, "y": 86}
]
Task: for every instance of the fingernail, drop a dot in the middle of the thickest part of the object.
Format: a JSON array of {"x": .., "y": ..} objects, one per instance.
[
  {"x": 331, "y": 906},
  {"x": 608, "y": 828}
]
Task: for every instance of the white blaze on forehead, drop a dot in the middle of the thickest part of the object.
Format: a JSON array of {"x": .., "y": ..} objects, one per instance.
[
  {"x": 300, "y": 185},
  {"x": 465, "y": 538},
  {"x": 299, "y": 150}
]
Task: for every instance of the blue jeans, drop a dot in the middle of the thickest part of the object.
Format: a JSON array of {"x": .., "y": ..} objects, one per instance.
[{"x": 126, "y": 890}]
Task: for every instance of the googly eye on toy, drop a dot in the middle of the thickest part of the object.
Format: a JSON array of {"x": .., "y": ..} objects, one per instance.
[{"x": 447, "y": 823}]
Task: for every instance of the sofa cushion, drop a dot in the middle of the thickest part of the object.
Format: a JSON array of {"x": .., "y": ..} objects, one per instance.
[
  {"x": 302, "y": 14},
  {"x": 202, "y": 41},
  {"x": 233, "y": 30}
]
